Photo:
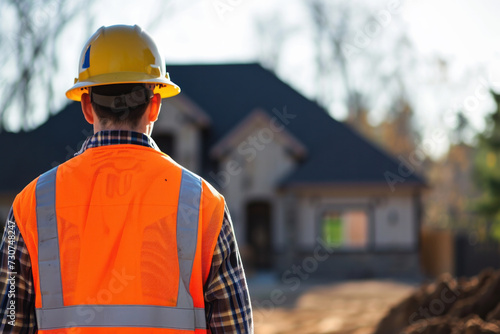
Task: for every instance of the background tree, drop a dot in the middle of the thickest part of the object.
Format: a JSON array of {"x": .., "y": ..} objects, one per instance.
[
  {"x": 362, "y": 61},
  {"x": 358, "y": 55},
  {"x": 487, "y": 172},
  {"x": 33, "y": 37},
  {"x": 29, "y": 35}
]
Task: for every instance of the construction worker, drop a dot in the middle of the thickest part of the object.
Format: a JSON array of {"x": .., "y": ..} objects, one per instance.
[{"x": 121, "y": 238}]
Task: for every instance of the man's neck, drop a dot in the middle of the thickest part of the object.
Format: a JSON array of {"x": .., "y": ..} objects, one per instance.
[{"x": 98, "y": 128}]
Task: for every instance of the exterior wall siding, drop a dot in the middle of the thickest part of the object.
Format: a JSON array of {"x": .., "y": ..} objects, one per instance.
[
  {"x": 255, "y": 180},
  {"x": 392, "y": 223},
  {"x": 186, "y": 135},
  {"x": 395, "y": 223}
]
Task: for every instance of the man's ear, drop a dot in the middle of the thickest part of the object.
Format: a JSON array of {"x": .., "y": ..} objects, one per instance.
[
  {"x": 87, "y": 108},
  {"x": 154, "y": 107}
]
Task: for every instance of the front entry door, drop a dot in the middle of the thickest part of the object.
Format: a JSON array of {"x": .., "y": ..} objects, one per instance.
[{"x": 259, "y": 234}]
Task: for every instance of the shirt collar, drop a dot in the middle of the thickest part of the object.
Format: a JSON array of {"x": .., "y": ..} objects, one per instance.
[{"x": 116, "y": 137}]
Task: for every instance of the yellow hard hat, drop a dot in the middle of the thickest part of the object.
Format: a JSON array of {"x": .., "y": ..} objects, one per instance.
[{"x": 121, "y": 54}]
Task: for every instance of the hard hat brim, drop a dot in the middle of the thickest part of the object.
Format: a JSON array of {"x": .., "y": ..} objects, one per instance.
[{"x": 164, "y": 86}]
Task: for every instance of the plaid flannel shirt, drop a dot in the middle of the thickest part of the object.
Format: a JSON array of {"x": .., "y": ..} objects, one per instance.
[{"x": 227, "y": 302}]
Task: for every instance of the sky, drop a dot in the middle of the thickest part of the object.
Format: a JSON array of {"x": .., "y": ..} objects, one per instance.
[
  {"x": 462, "y": 33},
  {"x": 463, "y": 29},
  {"x": 466, "y": 34}
]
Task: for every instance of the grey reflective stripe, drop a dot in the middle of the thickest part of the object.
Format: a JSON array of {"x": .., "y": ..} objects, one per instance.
[
  {"x": 48, "y": 241},
  {"x": 200, "y": 318},
  {"x": 187, "y": 232},
  {"x": 54, "y": 314},
  {"x": 119, "y": 316}
]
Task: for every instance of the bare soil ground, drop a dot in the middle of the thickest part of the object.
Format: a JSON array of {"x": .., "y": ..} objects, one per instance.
[
  {"x": 449, "y": 306},
  {"x": 352, "y": 307}
]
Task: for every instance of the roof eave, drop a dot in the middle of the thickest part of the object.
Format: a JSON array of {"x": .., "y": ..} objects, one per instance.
[{"x": 368, "y": 186}]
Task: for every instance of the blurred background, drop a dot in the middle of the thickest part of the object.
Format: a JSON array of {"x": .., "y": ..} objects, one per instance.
[{"x": 357, "y": 143}]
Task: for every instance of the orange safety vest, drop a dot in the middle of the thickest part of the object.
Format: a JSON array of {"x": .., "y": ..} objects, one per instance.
[{"x": 121, "y": 239}]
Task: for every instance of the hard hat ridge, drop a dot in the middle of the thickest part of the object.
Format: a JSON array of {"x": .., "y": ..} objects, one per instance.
[{"x": 121, "y": 54}]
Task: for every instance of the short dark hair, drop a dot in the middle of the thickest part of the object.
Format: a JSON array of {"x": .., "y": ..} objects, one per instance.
[{"x": 121, "y": 103}]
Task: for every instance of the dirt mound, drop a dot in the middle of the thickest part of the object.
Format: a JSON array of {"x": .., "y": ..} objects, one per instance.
[{"x": 448, "y": 306}]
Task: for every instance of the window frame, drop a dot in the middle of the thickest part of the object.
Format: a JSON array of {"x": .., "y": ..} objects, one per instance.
[{"x": 365, "y": 207}]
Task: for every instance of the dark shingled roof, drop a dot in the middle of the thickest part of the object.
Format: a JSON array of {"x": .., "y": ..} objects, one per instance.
[
  {"x": 227, "y": 93},
  {"x": 336, "y": 153},
  {"x": 26, "y": 155}
]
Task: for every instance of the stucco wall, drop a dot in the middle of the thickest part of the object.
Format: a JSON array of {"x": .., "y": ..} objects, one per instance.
[
  {"x": 392, "y": 220},
  {"x": 250, "y": 179},
  {"x": 395, "y": 223},
  {"x": 186, "y": 135}
]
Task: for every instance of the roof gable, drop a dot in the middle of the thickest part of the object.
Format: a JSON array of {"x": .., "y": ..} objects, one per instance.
[
  {"x": 186, "y": 105},
  {"x": 268, "y": 130}
]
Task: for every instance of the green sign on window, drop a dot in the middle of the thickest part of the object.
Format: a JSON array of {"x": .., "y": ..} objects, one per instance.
[{"x": 332, "y": 230}]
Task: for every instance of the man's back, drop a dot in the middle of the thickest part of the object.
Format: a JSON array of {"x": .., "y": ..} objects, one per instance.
[
  {"x": 117, "y": 209},
  {"x": 121, "y": 236}
]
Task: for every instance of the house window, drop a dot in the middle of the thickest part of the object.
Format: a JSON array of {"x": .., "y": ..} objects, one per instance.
[
  {"x": 347, "y": 229},
  {"x": 166, "y": 143}
]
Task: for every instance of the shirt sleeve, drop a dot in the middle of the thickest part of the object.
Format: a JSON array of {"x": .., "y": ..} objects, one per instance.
[
  {"x": 16, "y": 283},
  {"x": 227, "y": 301}
]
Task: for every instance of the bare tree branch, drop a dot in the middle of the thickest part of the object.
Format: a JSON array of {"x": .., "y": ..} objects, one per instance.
[{"x": 32, "y": 52}]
